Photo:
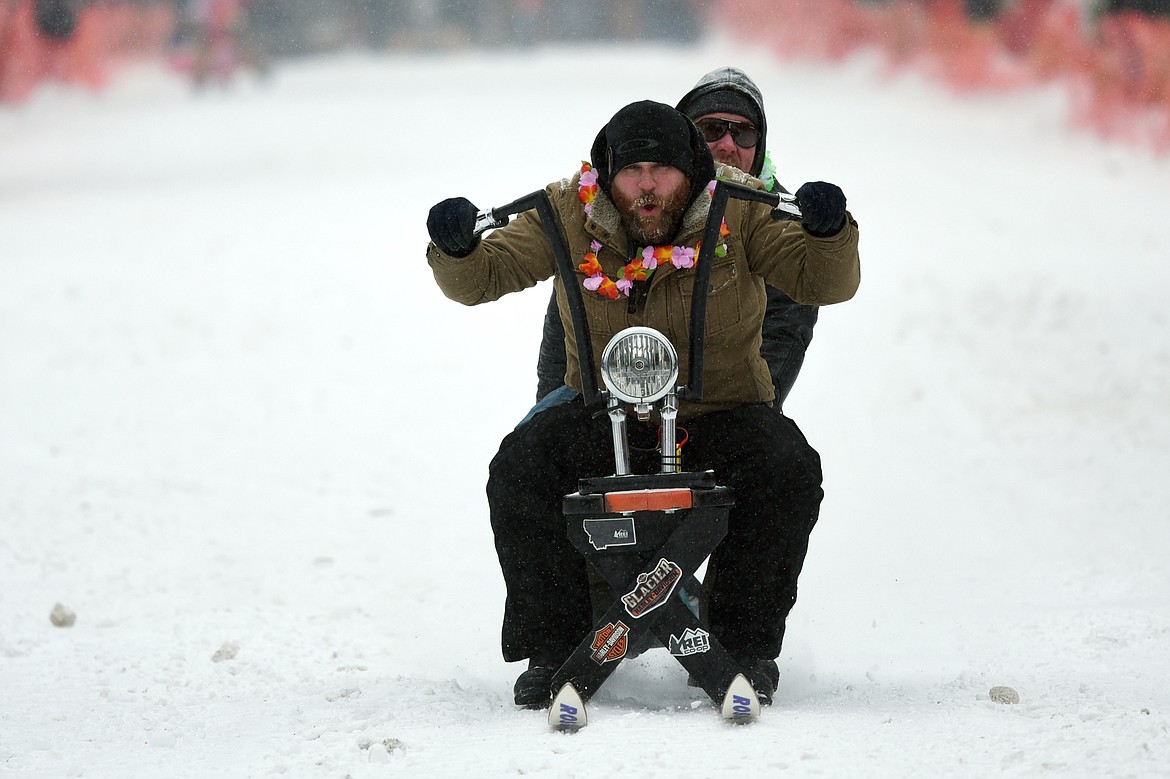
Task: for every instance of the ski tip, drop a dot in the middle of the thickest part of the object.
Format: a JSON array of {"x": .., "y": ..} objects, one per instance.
[
  {"x": 567, "y": 712},
  {"x": 740, "y": 704}
]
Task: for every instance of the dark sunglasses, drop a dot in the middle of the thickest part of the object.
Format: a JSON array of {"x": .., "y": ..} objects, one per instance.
[{"x": 744, "y": 135}]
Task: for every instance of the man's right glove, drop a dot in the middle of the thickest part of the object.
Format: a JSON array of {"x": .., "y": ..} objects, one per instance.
[
  {"x": 451, "y": 224},
  {"x": 822, "y": 206}
]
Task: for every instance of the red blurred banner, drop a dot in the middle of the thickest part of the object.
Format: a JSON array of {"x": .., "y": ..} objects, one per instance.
[
  {"x": 1117, "y": 72},
  {"x": 104, "y": 37}
]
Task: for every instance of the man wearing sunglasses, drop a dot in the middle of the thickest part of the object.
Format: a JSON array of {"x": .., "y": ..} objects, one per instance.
[{"x": 728, "y": 108}]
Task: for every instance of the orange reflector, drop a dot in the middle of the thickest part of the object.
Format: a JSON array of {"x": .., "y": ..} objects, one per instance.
[{"x": 648, "y": 500}]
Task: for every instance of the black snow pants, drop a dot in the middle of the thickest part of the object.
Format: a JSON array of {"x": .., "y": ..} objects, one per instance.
[{"x": 756, "y": 450}]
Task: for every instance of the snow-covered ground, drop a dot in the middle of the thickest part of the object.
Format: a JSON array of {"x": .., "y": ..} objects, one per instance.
[{"x": 244, "y": 438}]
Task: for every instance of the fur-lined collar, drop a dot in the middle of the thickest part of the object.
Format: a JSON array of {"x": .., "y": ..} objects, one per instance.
[{"x": 605, "y": 223}]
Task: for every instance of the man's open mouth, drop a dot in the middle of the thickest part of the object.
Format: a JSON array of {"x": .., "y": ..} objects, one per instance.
[{"x": 648, "y": 206}]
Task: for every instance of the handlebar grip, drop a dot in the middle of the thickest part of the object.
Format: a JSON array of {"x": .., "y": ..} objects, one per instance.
[
  {"x": 487, "y": 220},
  {"x": 783, "y": 204},
  {"x": 787, "y": 206}
]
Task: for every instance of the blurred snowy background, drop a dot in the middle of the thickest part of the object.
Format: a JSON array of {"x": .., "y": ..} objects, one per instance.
[{"x": 243, "y": 437}]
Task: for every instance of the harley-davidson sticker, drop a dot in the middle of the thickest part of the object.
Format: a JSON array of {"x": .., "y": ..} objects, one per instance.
[
  {"x": 610, "y": 643},
  {"x": 652, "y": 589},
  {"x": 694, "y": 641}
]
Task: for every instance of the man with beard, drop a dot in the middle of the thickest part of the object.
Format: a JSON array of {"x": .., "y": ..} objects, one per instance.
[
  {"x": 634, "y": 217},
  {"x": 728, "y": 109}
]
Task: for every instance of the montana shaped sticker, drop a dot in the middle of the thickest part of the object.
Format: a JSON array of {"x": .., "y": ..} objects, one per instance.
[{"x": 652, "y": 589}]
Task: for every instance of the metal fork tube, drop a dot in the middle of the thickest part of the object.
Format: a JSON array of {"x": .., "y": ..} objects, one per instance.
[
  {"x": 621, "y": 442},
  {"x": 669, "y": 446}
]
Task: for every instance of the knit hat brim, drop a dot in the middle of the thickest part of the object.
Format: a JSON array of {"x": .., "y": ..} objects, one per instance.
[
  {"x": 724, "y": 101},
  {"x": 651, "y": 132},
  {"x": 648, "y": 132}
]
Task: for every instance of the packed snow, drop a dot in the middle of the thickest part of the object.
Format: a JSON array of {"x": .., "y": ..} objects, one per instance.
[{"x": 244, "y": 438}]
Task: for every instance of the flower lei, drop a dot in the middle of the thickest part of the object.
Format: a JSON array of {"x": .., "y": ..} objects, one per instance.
[{"x": 641, "y": 267}]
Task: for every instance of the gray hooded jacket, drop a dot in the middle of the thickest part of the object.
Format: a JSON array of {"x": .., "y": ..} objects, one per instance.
[{"x": 701, "y": 100}]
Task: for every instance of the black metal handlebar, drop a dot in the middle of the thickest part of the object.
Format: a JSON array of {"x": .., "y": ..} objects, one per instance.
[
  {"x": 783, "y": 206},
  {"x": 488, "y": 219},
  {"x": 497, "y": 217}
]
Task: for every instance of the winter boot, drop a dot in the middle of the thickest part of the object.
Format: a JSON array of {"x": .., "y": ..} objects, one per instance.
[
  {"x": 533, "y": 688},
  {"x": 764, "y": 676}
]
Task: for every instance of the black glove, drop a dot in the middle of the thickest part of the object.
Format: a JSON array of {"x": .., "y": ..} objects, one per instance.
[
  {"x": 451, "y": 224},
  {"x": 822, "y": 206}
]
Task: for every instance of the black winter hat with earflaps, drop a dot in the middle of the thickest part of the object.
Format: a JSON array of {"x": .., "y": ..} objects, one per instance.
[{"x": 652, "y": 132}]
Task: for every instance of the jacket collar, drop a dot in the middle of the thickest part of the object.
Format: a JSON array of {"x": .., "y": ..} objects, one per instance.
[{"x": 605, "y": 224}]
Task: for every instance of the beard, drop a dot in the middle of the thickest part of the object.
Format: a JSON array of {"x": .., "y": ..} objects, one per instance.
[{"x": 652, "y": 229}]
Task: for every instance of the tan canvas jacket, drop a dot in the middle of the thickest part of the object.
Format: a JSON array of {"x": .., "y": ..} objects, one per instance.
[{"x": 818, "y": 271}]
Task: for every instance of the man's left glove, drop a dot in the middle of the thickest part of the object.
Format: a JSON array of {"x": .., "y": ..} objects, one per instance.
[
  {"x": 822, "y": 206},
  {"x": 451, "y": 224}
]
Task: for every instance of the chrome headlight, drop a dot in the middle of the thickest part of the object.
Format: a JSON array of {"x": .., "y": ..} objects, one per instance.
[{"x": 639, "y": 365}]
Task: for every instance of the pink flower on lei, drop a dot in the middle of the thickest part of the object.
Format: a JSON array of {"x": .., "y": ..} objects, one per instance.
[
  {"x": 637, "y": 269},
  {"x": 587, "y": 187},
  {"x": 649, "y": 261},
  {"x": 682, "y": 257}
]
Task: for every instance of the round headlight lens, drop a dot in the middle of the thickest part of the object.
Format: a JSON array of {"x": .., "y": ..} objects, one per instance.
[{"x": 639, "y": 365}]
